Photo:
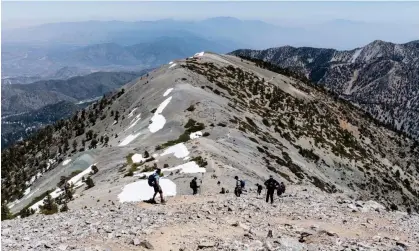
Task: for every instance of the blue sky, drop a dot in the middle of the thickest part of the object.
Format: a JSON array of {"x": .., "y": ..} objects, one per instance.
[{"x": 18, "y": 14}]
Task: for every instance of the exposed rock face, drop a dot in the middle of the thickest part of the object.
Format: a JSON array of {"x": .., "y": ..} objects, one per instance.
[{"x": 382, "y": 78}]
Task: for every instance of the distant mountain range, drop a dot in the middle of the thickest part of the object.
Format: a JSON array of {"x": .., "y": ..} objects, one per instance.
[
  {"x": 60, "y": 62},
  {"x": 116, "y": 45},
  {"x": 20, "y": 98},
  {"x": 382, "y": 78}
]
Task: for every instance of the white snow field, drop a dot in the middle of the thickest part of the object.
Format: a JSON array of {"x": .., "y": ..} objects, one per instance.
[
  {"x": 140, "y": 190},
  {"x": 179, "y": 150},
  {"x": 199, "y": 54},
  {"x": 173, "y": 65}
]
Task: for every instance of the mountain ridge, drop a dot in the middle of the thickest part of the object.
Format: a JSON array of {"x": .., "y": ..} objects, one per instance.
[
  {"x": 233, "y": 117},
  {"x": 371, "y": 76}
]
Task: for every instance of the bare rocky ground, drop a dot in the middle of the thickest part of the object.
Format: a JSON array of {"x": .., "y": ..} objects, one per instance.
[{"x": 305, "y": 218}]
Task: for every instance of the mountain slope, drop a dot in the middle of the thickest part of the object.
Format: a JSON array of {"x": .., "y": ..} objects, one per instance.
[
  {"x": 255, "y": 122},
  {"x": 21, "y": 126},
  {"x": 19, "y": 98},
  {"x": 381, "y": 78},
  {"x": 304, "y": 219}
]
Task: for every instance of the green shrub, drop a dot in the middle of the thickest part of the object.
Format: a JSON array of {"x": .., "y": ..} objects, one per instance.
[
  {"x": 191, "y": 108},
  {"x": 200, "y": 161},
  {"x": 265, "y": 122}
]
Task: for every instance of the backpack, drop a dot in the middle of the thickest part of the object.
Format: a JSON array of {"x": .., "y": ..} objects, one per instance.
[
  {"x": 151, "y": 179},
  {"x": 191, "y": 185},
  {"x": 283, "y": 188},
  {"x": 242, "y": 183}
]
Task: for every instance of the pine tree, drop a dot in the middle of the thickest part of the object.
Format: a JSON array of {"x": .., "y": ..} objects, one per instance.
[
  {"x": 93, "y": 143},
  {"x": 49, "y": 206},
  {"x": 89, "y": 135},
  {"x": 64, "y": 208},
  {"x": 68, "y": 191},
  {"x": 75, "y": 145},
  {"x": 5, "y": 211},
  {"x": 89, "y": 182}
]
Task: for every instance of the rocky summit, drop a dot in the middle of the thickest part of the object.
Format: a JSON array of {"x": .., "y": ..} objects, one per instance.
[{"x": 351, "y": 184}]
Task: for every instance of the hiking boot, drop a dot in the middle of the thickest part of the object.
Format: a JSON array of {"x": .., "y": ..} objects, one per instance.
[{"x": 163, "y": 202}]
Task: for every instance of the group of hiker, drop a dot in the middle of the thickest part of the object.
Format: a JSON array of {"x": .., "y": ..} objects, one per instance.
[{"x": 271, "y": 185}]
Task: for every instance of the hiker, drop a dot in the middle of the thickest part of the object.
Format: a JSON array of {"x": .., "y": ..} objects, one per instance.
[
  {"x": 194, "y": 185},
  {"x": 260, "y": 187},
  {"x": 154, "y": 181},
  {"x": 281, "y": 189},
  {"x": 238, "y": 189},
  {"x": 270, "y": 184}
]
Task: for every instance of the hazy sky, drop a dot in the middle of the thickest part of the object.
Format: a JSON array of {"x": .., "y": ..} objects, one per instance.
[{"x": 18, "y": 14}]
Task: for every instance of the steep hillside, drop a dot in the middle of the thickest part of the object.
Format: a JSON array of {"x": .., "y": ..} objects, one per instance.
[
  {"x": 20, "y": 126},
  {"x": 214, "y": 117},
  {"x": 381, "y": 78},
  {"x": 19, "y": 98}
]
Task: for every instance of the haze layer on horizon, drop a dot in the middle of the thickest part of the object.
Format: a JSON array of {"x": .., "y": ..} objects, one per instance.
[{"x": 17, "y": 14}]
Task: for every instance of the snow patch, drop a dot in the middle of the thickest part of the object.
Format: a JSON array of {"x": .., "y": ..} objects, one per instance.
[
  {"x": 356, "y": 55},
  {"x": 167, "y": 92},
  {"x": 129, "y": 138},
  {"x": 132, "y": 112},
  {"x": 134, "y": 121},
  {"x": 189, "y": 167},
  {"x": 310, "y": 60},
  {"x": 195, "y": 135},
  {"x": 173, "y": 65},
  {"x": 57, "y": 192},
  {"x": 27, "y": 191},
  {"x": 179, "y": 150},
  {"x": 158, "y": 121},
  {"x": 138, "y": 158},
  {"x": 140, "y": 190},
  {"x": 163, "y": 105},
  {"x": 199, "y": 54},
  {"x": 114, "y": 122},
  {"x": 65, "y": 162},
  {"x": 171, "y": 62}
]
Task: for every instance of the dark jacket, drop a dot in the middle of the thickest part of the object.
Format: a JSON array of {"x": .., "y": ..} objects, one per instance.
[
  {"x": 194, "y": 184},
  {"x": 271, "y": 183}
]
